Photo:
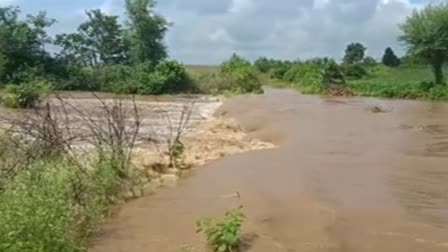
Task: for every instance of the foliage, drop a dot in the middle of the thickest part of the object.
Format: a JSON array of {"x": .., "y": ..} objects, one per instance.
[
  {"x": 408, "y": 83},
  {"x": 42, "y": 209},
  {"x": 22, "y": 44},
  {"x": 175, "y": 78},
  {"x": 54, "y": 202},
  {"x": 36, "y": 212},
  {"x": 426, "y": 34},
  {"x": 412, "y": 61},
  {"x": 145, "y": 78},
  {"x": 279, "y": 70},
  {"x": 223, "y": 235},
  {"x": 263, "y": 65},
  {"x": 306, "y": 77},
  {"x": 241, "y": 76},
  {"x": 25, "y": 95},
  {"x": 354, "y": 71},
  {"x": 210, "y": 83},
  {"x": 98, "y": 41},
  {"x": 390, "y": 59},
  {"x": 145, "y": 32},
  {"x": 354, "y": 53},
  {"x": 332, "y": 73},
  {"x": 369, "y": 61}
]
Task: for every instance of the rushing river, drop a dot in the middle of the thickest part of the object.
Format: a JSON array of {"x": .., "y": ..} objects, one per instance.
[{"x": 343, "y": 179}]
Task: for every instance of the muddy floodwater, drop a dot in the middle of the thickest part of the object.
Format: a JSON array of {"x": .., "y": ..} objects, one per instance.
[{"x": 342, "y": 179}]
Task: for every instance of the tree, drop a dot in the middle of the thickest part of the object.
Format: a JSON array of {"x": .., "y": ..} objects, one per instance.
[
  {"x": 426, "y": 34},
  {"x": 354, "y": 53},
  {"x": 22, "y": 44},
  {"x": 390, "y": 59},
  {"x": 98, "y": 41},
  {"x": 145, "y": 32}
]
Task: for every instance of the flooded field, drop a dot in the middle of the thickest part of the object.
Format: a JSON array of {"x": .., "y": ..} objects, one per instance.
[{"x": 342, "y": 179}]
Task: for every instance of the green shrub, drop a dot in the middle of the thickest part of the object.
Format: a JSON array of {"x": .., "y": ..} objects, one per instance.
[
  {"x": 108, "y": 77},
  {"x": 37, "y": 212},
  {"x": 438, "y": 92},
  {"x": 78, "y": 78},
  {"x": 174, "y": 75},
  {"x": 332, "y": 73},
  {"x": 242, "y": 77},
  {"x": 263, "y": 65},
  {"x": 369, "y": 61},
  {"x": 223, "y": 236},
  {"x": 25, "y": 95},
  {"x": 279, "y": 71},
  {"x": 234, "y": 64},
  {"x": 210, "y": 83},
  {"x": 307, "y": 77},
  {"x": 354, "y": 71},
  {"x": 53, "y": 206}
]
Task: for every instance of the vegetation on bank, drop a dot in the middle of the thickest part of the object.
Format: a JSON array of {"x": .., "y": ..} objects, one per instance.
[
  {"x": 104, "y": 54},
  {"x": 420, "y": 74},
  {"x": 57, "y": 180}
]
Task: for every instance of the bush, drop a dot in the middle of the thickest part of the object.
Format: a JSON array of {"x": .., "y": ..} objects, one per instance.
[
  {"x": 332, "y": 74},
  {"x": 174, "y": 75},
  {"x": 263, "y": 65},
  {"x": 223, "y": 236},
  {"x": 43, "y": 208},
  {"x": 234, "y": 64},
  {"x": 78, "y": 78},
  {"x": 369, "y": 62},
  {"x": 354, "y": 71},
  {"x": 144, "y": 78},
  {"x": 211, "y": 83},
  {"x": 109, "y": 77},
  {"x": 307, "y": 77},
  {"x": 25, "y": 95},
  {"x": 241, "y": 76}
]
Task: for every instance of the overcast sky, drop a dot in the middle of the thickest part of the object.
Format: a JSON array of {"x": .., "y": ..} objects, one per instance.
[{"x": 208, "y": 31}]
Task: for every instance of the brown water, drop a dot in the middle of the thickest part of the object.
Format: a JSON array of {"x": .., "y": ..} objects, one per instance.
[{"x": 342, "y": 179}]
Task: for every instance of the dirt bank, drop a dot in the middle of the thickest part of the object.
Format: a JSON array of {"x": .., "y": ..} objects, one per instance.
[{"x": 343, "y": 179}]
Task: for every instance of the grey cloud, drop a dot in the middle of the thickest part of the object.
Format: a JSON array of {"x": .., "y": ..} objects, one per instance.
[
  {"x": 292, "y": 29},
  {"x": 208, "y": 31},
  {"x": 203, "y": 7}
]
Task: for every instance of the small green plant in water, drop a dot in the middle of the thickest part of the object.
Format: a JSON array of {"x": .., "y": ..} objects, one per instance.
[
  {"x": 223, "y": 235},
  {"x": 178, "y": 154}
]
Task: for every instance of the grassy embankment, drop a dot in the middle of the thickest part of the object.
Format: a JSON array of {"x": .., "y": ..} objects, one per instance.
[{"x": 378, "y": 81}]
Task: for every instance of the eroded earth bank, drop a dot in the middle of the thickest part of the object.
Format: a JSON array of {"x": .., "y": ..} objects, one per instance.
[{"x": 342, "y": 179}]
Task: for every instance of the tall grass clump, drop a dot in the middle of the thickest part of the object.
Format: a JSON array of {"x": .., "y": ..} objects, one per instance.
[{"x": 58, "y": 180}]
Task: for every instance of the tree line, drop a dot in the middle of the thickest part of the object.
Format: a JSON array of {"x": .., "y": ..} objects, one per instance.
[
  {"x": 103, "y": 54},
  {"x": 106, "y": 54}
]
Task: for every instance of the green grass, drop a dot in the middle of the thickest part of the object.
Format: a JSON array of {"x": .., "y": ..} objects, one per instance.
[
  {"x": 53, "y": 207},
  {"x": 381, "y": 81},
  {"x": 406, "y": 83}
]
